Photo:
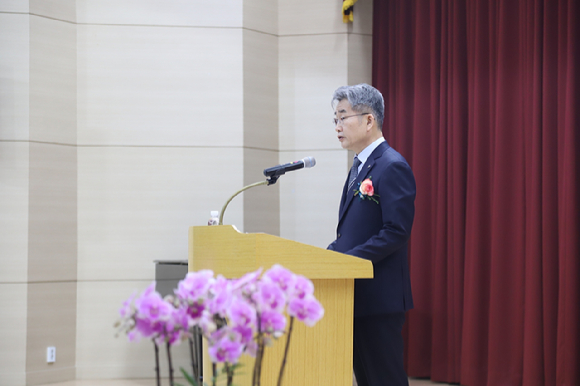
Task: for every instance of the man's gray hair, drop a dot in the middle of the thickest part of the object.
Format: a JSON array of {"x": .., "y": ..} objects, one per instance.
[{"x": 363, "y": 98}]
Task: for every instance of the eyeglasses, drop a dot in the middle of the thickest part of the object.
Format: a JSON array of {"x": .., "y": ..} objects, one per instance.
[{"x": 341, "y": 119}]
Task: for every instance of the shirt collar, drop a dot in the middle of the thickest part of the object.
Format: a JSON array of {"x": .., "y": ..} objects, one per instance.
[{"x": 365, "y": 154}]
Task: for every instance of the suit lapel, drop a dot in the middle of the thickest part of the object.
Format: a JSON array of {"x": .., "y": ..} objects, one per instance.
[{"x": 348, "y": 195}]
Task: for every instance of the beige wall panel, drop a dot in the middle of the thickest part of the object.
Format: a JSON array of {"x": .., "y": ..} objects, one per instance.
[
  {"x": 51, "y": 322},
  {"x": 13, "y": 377},
  {"x": 260, "y": 90},
  {"x": 201, "y": 13},
  {"x": 52, "y": 80},
  {"x": 14, "y": 74},
  {"x": 102, "y": 355},
  {"x": 261, "y": 15},
  {"x": 13, "y": 6},
  {"x": 52, "y": 235},
  {"x": 311, "y": 68},
  {"x": 159, "y": 86},
  {"x": 309, "y": 199},
  {"x": 135, "y": 205},
  {"x": 56, "y": 9},
  {"x": 13, "y": 334},
  {"x": 363, "y": 18},
  {"x": 304, "y": 17},
  {"x": 262, "y": 203},
  {"x": 360, "y": 57},
  {"x": 14, "y": 160}
]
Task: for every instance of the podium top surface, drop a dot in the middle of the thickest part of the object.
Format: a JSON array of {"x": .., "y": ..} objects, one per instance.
[{"x": 231, "y": 253}]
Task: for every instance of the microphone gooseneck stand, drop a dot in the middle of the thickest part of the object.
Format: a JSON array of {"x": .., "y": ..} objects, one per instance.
[{"x": 270, "y": 181}]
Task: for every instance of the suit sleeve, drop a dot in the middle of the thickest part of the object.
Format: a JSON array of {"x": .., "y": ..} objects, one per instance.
[{"x": 396, "y": 189}]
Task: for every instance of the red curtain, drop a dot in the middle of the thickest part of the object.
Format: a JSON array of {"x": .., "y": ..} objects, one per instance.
[{"x": 482, "y": 98}]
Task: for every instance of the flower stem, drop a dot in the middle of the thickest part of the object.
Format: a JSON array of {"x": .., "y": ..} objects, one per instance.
[
  {"x": 230, "y": 373},
  {"x": 170, "y": 364},
  {"x": 256, "y": 361},
  {"x": 193, "y": 359},
  {"x": 283, "y": 365},
  {"x": 157, "y": 363},
  {"x": 197, "y": 339},
  {"x": 214, "y": 371},
  {"x": 259, "y": 358}
]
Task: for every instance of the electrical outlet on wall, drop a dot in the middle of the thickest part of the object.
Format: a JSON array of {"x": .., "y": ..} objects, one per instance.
[{"x": 50, "y": 354}]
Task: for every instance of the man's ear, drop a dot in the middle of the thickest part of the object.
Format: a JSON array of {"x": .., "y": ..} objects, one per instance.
[{"x": 370, "y": 120}]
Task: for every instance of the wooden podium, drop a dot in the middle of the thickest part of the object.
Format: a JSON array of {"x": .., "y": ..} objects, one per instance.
[{"x": 319, "y": 355}]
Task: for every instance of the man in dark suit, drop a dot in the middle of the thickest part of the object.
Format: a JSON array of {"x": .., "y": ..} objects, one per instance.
[{"x": 374, "y": 223}]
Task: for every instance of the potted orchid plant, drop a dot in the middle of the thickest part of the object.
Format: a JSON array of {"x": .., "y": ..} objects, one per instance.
[{"x": 236, "y": 316}]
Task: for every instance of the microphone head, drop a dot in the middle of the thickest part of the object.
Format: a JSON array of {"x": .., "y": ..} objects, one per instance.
[{"x": 309, "y": 162}]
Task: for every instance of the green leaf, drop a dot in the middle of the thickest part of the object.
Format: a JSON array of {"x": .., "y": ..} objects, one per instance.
[
  {"x": 189, "y": 378},
  {"x": 236, "y": 366}
]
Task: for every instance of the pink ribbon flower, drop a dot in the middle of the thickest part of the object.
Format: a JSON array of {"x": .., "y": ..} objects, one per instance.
[
  {"x": 367, "y": 190},
  {"x": 366, "y": 187}
]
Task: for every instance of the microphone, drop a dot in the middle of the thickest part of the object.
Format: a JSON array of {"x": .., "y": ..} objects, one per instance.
[{"x": 277, "y": 171}]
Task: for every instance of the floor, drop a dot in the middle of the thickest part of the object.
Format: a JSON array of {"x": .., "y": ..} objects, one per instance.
[{"x": 151, "y": 382}]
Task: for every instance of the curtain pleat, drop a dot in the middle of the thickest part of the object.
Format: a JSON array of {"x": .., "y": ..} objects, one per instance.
[{"x": 482, "y": 98}]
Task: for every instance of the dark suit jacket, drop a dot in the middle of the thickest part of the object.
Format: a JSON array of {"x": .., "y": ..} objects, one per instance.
[{"x": 379, "y": 232}]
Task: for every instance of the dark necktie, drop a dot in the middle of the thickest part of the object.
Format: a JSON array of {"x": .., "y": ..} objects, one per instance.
[{"x": 353, "y": 171}]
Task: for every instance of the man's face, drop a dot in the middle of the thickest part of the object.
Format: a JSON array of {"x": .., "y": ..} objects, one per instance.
[{"x": 353, "y": 132}]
